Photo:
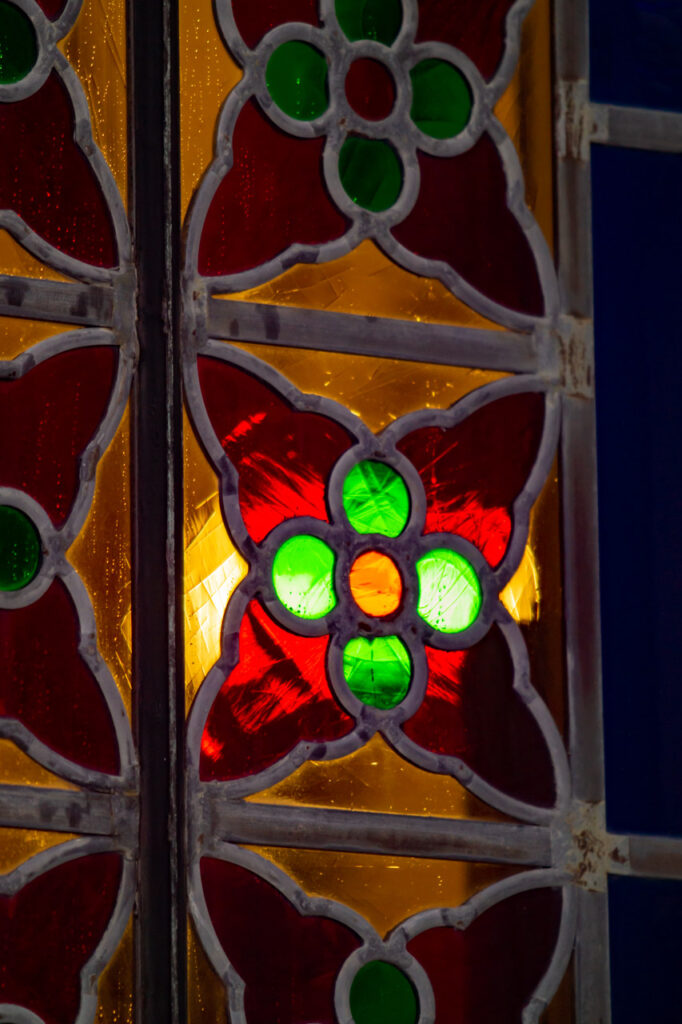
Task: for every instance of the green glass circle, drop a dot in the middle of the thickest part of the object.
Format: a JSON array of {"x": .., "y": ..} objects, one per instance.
[
  {"x": 376, "y": 499},
  {"x": 18, "y": 44},
  {"x": 449, "y": 591},
  {"x": 371, "y": 172},
  {"x": 19, "y": 549},
  {"x": 303, "y": 576},
  {"x": 379, "y": 20},
  {"x": 381, "y": 993},
  {"x": 296, "y": 77},
  {"x": 441, "y": 99},
  {"x": 377, "y": 671}
]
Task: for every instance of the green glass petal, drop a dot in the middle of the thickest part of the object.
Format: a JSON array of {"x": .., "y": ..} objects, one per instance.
[
  {"x": 370, "y": 172},
  {"x": 19, "y": 549},
  {"x": 381, "y": 993},
  {"x": 378, "y": 671},
  {"x": 296, "y": 77},
  {"x": 376, "y": 499},
  {"x": 303, "y": 576},
  {"x": 449, "y": 591},
  {"x": 379, "y": 20},
  {"x": 441, "y": 99},
  {"x": 18, "y": 44}
]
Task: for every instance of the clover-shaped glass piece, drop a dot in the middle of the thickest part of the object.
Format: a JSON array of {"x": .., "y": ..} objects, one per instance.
[
  {"x": 18, "y": 45},
  {"x": 296, "y": 77},
  {"x": 375, "y": 499},
  {"x": 449, "y": 591},
  {"x": 379, "y": 20},
  {"x": 371, "y": 172},
  {"x": 303, "y": 576},
  {"x": 381, "y": 993},
  {"x": 441, "y": 98},
  {"x": 19, "y": 549},
  {"x": 378, "y": 671}
]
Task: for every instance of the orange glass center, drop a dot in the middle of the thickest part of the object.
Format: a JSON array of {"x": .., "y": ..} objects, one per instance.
[{"x": 375, "y": 583}]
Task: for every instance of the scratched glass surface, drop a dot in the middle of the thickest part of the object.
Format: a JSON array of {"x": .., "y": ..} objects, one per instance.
[{"x": 17, "y": 335}]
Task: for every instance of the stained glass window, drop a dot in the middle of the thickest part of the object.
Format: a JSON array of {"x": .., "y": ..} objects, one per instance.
[{"x": 300, "y": 705}]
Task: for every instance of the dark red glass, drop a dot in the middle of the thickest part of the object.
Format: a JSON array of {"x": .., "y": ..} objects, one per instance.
[
  {"x": 473, "y": 472},
  {"x": 461, "y": 219},
  {"x": 52, "y": 8},
  {"x": 474, "y": 26},
  {"x": 370, "y": 89},
  {"x": 47, "y": 419},
  {"x": 488, "y": 973},
  {"x": 49, "y": 931},
  {"x": 272, "y": 197},
  {"x": 46, "y": 179},
  {"x": 471, "y": 711},
  {"x": 275, "y": 697},
  {"x": 288, "y": 963},
  {"x": 46, "y": 685},
  {"x": 255, "y": 19},
  {"x": 283, "y": 457}
]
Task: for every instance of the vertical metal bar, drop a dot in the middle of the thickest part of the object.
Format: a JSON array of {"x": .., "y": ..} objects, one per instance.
[
  {"x": 579, "y": 485},
  {"x": 154, "y": 176}
]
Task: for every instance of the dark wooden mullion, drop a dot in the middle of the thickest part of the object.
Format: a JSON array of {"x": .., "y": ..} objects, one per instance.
[{"x": 158, "y": 683}]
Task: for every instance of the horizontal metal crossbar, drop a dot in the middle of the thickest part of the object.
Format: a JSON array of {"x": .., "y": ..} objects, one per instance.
[
  {"x": 369, "y": 832},
  {"x": 645, "y": 856},
  {"x": 81, "y": 811},
  {"x": 636, "y": 128},
  {"x": 513, "y": 351},
  {"x": 91, "y": 304}
]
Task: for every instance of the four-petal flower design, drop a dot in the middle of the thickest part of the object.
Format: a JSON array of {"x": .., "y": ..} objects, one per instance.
[{"x": 372, "y": 600}]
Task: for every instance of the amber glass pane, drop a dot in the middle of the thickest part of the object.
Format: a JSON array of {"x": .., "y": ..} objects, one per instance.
[
  {"x": 17, "y": 335},
  {"x": 376, "y": 778},
  {"x": 213, "y": 567},
  {"x": 385, "y": 890},
  {"x": 14, "y": 259},
  {"x": 18, "y": 844},
  {"x": 205, "y": 993},
  {"x": 525, "y": 110},
  {"x": 207, "y": 74},
  {"x": 18, "y": 769},
  {"x": 101, "y": 555},
  {"x": 96, "y": 47},
  {"x": 115, "y": 988}
]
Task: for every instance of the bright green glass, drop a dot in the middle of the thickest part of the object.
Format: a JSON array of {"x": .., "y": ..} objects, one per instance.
[
  {"x": 379, "y": 20},
  {"x": 370, "y": 172},
  {"x": 18, "y": 44},
  {"x": 449, "y": 591},
  {"x": 303, "y": 576},
  {"x": 378, "y": 671},
  {"x": 441, "y": 98},
  {"x": 19, "y": 549},
  {"x": 376, "y": 499},
  {"x": 381, "y": 993},
  {"x": 296, "y": 77}
]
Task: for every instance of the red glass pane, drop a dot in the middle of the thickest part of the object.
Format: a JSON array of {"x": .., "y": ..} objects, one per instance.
[
  {"x": 487, "y": 973},
  {"x": 272, "y": 197},
  {"x": 288, "y": 963},
  {"x": 255, "y": 19},
  {"x": 283, "y": 457},
  {"x": 52, "y": 8},
  {"x": 474, "y": 26},
  {"x": 276, "y": 696},
  {"x": 470, "y": 710},
  {"x": 473, "y": 472},
  {"x": 47, "y": 686},
  {"x": 370, "y": 89},
  {"x": 46, "y": 178},
  {"x": 461, "y": 219},
  {"x": 50, "y": 929},
  {"x": 47, "y": 418}
]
